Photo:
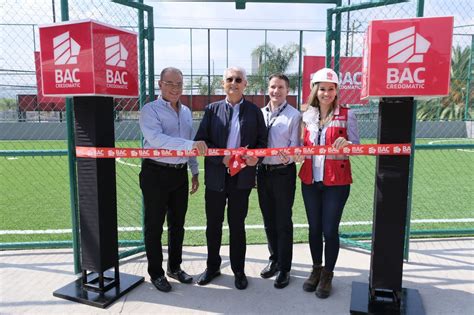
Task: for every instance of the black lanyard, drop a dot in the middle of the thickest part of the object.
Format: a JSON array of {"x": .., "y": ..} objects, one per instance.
[
  {"x": 270, "y": 123},
  {"x": 319, "y": 135},
  {"x": 320, "y": 129}
]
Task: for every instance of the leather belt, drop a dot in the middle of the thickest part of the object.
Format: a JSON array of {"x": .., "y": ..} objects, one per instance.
[
  {"x": 273, "y": 167},
  {"x": 168, "y": 165}
]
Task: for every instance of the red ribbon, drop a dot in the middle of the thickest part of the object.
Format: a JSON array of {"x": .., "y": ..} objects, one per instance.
[
  {"x": 352, "y": 149},
  {"x": 236, "y": 164}
]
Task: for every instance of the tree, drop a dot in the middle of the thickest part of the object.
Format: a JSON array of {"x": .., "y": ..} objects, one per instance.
[
  {"x": 451, "y": 107},
  {"x": 271, "y": 59},
  {"x": 7, "y": 104},
  {"x": 200, "y": 84}
]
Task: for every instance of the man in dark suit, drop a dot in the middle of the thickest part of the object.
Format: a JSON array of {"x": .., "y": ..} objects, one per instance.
[{"x": 230, "y": 123}]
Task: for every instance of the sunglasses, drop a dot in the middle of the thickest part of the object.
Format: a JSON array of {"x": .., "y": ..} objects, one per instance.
[
  {"x": 232, "y": 79},
  {"x": 173, "y": 85}
]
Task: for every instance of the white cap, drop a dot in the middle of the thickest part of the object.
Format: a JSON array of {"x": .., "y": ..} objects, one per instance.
[{"x": 325, "y": 75}]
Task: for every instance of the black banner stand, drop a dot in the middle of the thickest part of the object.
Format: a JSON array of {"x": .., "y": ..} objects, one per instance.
[
  {"x": 384, "y": 293},
  {"x": 98, "y": 286}
]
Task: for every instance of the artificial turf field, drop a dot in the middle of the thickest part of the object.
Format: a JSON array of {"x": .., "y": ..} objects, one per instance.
[{"x": 35, "y": 195}]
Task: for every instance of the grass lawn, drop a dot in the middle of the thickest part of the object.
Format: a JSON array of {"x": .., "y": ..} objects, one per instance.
[{"x": 34, "y": 195}]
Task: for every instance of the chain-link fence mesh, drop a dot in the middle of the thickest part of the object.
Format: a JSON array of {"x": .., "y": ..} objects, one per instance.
[
  {"x": 34, "y": 190},
  {"x": 35, "y": 193},
  {"x": 442, "y": 185}
]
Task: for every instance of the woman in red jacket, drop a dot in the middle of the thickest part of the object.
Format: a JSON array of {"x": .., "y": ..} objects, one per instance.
[{"x": 325, "y": 179}]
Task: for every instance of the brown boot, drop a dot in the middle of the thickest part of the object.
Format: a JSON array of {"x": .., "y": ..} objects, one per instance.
[
  {"x": 325, "y": 284},
  {"x": 312, "y": 282}
]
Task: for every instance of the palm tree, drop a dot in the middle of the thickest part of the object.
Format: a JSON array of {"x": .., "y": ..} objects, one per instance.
[
  {"x": 270, "y": 60},
  {"x": 200, "y": 84},
  {"x": 451, "y": 107}
]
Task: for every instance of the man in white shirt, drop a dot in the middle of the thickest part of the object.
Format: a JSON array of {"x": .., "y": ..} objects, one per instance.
[
  {"x": 276, "y": 180},
  {"x": 167, "y": 124}
]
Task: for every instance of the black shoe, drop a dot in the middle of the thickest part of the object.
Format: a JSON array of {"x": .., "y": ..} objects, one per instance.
[
  {"x": 180, "y": 275},
  {"x": 162, "y": 284},
  {"x": 241, "y": 281},
  {"x": 207, "y": 276},
  {"x": 270, "y": 270},
  {"x": 282, "y": 280}
]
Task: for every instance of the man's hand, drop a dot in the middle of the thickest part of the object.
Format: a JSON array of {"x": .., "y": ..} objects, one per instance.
[
  {"x": 284, "y": 158},
  {"x": 225, "y": 160},
  {"x": 340, "y": 143},
  {"x": 194, "y": 184},
  {"x": 250, "y": 160},
  {"x": 201, "y": 146}
]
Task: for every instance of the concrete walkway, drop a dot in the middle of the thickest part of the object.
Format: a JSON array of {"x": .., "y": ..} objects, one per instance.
[{"x": 442, "y": 270}]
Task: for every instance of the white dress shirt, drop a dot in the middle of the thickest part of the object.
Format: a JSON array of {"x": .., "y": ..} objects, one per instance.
[
  {"x": 164, "y": 128},
  {"x": 284, "y": 124},
  {"x": 233, "y": 141}
]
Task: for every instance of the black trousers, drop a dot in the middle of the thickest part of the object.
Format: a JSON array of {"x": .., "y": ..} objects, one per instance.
[
  {"x": 276, "y": 194},
  {"x": 237, "y": 201},
  {"x": 165, "y": 193}
]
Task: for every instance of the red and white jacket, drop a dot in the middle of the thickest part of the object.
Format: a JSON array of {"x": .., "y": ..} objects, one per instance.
[{"x": 337, "y": 168}]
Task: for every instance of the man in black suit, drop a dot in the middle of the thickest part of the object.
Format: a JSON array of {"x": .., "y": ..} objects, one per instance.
[{"x": 230, "y": 123}]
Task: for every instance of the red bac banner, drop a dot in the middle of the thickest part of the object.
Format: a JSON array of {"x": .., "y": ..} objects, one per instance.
[
  {"x": 350, "y": 78},
  {"x": 407, "y": 57},
  {"x": 88, "y": 58}
]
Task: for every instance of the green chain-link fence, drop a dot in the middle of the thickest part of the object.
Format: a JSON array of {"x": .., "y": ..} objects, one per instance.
[
  {"x": 34, "y": 187},
  {"x": 442, "y": 190},
  {"x": 34, "y": 184}
]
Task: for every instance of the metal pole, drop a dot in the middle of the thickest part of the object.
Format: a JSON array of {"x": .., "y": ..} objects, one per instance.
[
  {"x": 264, "y": 65},
  {"x": 141, "y": 55},
  {"x": 151, "y": 54},
  {"x": 420, "y": 8},
  {"x": 142, "y": 84},
  {"x": 329, "y": 37},
  {"x": 337, "y": 40},
  {"x": 347, "y": 28},
  {"x": 300, "y": 72},
  {"x": 208, "y": 65},
  {"x": 419, "y": 13},
  {"x": 71, "y": 148},
  {"x": 191, "y": 53},
  {"x": 468, "y": 83},
  {"x": 34, "y": 38},
  {"x": 54, "y": 10},
  {"x": 227, "y": 48}
]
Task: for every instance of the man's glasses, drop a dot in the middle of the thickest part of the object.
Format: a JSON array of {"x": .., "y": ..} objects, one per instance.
[
  {"x": 173, "y": 85},
  {"x": 232, "y": 79}
]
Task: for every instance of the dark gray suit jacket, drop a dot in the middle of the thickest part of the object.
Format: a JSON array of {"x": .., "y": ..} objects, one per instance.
[{"x": 214, "y": 129}]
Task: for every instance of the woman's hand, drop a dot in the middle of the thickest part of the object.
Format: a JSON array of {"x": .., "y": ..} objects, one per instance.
[{"x": 340, "y": 143}]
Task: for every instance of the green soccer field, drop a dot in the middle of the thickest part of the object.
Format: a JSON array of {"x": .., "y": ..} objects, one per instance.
[{"x": 35, "y": 196}]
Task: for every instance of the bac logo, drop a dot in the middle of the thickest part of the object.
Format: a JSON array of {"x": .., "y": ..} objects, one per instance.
[
  {"x": 115, "y": 55},
  {"x": 406, "y": 46},
  {"x": 66, "y": 50},
  {"x": 115, "y": 52}
]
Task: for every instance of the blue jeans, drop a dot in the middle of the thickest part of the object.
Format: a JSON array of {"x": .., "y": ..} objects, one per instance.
[{"x": 324, "y": 206}]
